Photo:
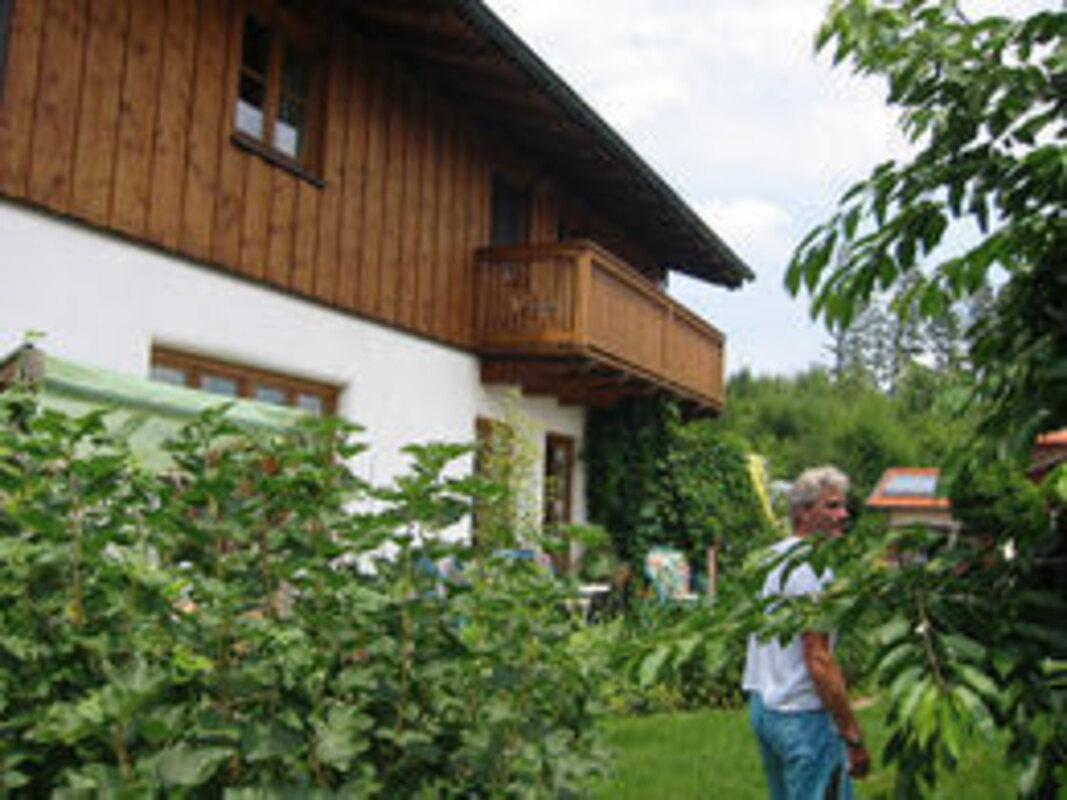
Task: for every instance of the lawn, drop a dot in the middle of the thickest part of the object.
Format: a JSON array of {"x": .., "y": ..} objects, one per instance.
[{"x": 712, "y": 754}]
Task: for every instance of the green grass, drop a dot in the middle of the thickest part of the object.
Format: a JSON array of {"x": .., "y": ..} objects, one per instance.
[{"x": 712, "y": 754}]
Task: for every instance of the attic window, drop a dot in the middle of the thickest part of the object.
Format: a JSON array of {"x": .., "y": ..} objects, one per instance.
[
  {"x": 278, "y": 103},
  {"x": 237, "y": 380}
]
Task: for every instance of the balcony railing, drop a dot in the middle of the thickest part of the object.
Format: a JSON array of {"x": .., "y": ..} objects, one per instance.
[{"x": 574, "y": 299}]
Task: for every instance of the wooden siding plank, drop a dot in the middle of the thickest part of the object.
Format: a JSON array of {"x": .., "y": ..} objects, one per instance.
[
  {"x": 233, "y": 164},
  {"x": 54, "y": 135},
  {"x": 374, "y": 191},
  {"x": 329, "y": 227},
  {"x": 353, "y": 142},
  {"x": 282, "y": 227},
  {"x": 407, "y": 286},
  {"x": 171, "y": 139},
  {"x": 393, "y": 196},
  {"x": 210, "y": 78},
  {"x": 255, "y": 223},
  {"x": 428, "y": 209},
  {"x": 479, "y": 237},
  {"x": 18, "y": 95},
  {"x": 458, "y": 285},
  {"x": 446, "y": 226},
  {"x": 98, "y": 123},
  {"x": 305, "y": 244},
  {"x": 137, "y": 114}
]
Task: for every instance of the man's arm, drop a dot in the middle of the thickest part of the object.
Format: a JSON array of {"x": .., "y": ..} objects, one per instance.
[{"x": 830, "y": 686}]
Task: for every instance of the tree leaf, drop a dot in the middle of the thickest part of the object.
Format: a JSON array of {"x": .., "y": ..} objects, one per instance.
[
  {"x": 187, "y": 766},
  {"x": 652, "y": 665},
  {"x": 342, "y": 737},
  {"x": 977, "y": 680}
]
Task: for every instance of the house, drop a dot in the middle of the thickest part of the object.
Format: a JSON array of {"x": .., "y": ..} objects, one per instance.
[
  {"x": 388, "y": 209},
  {"x": 1049, "y": 450},
  {"x": 910, "y": 496}
]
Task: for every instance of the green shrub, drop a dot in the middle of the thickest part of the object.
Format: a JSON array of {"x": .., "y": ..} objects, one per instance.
[
  {"x": 665, "y": 657},
  {"x": 205, "y": 632}
]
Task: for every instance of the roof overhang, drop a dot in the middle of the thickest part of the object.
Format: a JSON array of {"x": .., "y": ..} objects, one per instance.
[{"x": 487, "y": 69}]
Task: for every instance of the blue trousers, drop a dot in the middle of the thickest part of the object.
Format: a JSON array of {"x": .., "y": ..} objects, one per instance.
[{"x": 803, "y": 756}]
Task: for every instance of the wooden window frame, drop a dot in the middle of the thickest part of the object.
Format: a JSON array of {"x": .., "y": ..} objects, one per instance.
[
  {"x": 308, "y": 35},
  {"x": 246, "y": 378}
]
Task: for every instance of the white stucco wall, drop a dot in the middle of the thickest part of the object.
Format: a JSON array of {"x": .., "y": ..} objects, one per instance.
[{"x": 105, "y": 301}]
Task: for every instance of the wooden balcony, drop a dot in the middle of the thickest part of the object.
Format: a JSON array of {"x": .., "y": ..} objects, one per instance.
[{"x": 573, "y": 321}]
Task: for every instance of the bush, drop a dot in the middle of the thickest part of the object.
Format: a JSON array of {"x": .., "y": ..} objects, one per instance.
[
  {"x": 667, "y": 657},
  {"x": 207, "y": 632}
]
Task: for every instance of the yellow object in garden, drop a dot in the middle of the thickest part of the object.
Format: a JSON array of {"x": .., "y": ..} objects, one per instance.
[{"x": 757, "y": 469}]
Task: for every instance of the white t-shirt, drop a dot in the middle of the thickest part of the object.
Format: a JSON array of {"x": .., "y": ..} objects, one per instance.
[{"x": 778, "y": 672}]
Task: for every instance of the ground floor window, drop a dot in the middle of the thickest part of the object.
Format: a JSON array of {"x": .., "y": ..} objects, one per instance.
[
  {"x": 229, "y": 379},
  {"x": 558, "y": 480}
]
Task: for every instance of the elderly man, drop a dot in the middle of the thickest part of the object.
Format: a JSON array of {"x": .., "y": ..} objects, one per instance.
[{"x": 809, "y": 740}]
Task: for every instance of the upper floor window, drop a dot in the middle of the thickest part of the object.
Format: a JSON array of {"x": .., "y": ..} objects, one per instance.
[
  {"x": 509, "y": 220},
  {"x": 235, "y": 380},
  {"x": 279, "y": 91}
]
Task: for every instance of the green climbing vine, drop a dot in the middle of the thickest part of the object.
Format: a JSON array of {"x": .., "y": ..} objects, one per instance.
[{"x": 655, "y": 479}]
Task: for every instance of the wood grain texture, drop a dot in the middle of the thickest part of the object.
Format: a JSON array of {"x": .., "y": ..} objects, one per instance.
[
  {"x": 374, "y": 192},
  {"x": 137, "y": 116},
  {"x": 407, "y": 286},
  {"x": 230, "y": 195},
  {"x": 329, "y": 225},
  {"x": 460, "y": 281},
  {"x": 210, "y": 77},
  {"x": 350, "y": 276},
  {"x": 426, "y": 217},
  {"x": 255, "y": 222},
  {"x": 281, "y": 231},
  {"x": 306, "y": 239},
  {"x": 18, "y": 101},
  {"x": 98, "y": 123},
  {"x": 171, "y": 145},
  {"x": 445, "y": 192},
  {"x": 393, "y": 196},
  {"x": 57, "y": 103}
]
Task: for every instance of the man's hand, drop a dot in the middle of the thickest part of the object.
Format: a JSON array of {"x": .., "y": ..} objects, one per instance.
[{"x": 859, "y": 761}]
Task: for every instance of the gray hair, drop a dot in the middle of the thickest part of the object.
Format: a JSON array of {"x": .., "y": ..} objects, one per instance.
[{"x": 810, "y": 484}]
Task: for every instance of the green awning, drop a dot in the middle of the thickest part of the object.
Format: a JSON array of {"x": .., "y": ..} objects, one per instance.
[{"x": 149, "y": 410}]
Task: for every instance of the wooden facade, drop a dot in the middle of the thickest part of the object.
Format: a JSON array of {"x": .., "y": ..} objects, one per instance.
[{"x": 120, "y": 114}]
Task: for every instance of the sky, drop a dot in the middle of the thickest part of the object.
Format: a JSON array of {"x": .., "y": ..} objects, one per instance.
[{"x": 728, "y": 102}]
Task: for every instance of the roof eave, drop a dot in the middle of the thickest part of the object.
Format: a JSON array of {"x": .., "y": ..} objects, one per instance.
[{"x": 729, "y": 269}]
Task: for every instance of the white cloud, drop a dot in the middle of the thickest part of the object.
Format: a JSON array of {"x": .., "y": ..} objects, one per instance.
[{"x": 757, "y": 230}]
